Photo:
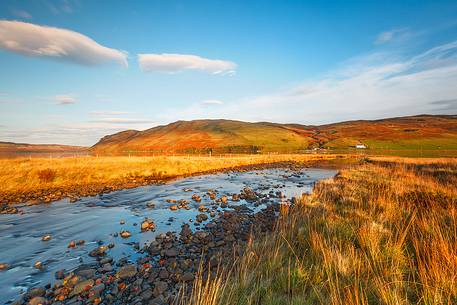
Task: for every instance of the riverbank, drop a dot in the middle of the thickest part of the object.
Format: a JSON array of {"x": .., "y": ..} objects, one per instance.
[
  {"x": 380, "y": 233},
  {"x": 45, "y": 180}
]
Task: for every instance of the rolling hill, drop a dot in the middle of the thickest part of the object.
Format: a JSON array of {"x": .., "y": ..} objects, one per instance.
[
  {"x": 428, "y": 132},
  {"x": 11, "y": 147}
]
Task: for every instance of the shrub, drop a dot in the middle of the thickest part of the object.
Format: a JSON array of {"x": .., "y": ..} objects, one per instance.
[{"x": 47, "y": 175}]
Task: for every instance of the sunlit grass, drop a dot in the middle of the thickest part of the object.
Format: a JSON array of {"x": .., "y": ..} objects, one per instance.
[
  {"x": 380, "y": 233},
  {"x": 32, "y": 175}
]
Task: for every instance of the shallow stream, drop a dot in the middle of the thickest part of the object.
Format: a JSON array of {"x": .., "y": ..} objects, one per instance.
[{"x": 97, "y": 219}]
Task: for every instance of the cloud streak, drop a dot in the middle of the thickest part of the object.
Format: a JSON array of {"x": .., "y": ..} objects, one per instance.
[
  {"x": 21, "y": 14},
  {"x": 212, "y": 102},
  {"x": 392, "y": 35},
  {"x": 64, "y": 99},
  {"x": 56, "y": 43},
  {"x": 173, "y": 63}
]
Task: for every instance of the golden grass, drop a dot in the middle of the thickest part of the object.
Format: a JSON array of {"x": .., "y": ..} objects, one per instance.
[
  {"x": 19, "y": 176},
  {"x": 379, "y": 233}
]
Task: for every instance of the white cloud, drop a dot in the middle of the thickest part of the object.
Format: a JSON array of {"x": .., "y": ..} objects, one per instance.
[
  {"x": 212, "y": 102},
  {"x": 400, "y": 34},
  {"x": 21, "y": 14},
  {"x": 64, "y": 99},
  {"x": 371, "y": 87},
  {"x": 178, "y": 62},
  {"x": 43, "y": 41}
]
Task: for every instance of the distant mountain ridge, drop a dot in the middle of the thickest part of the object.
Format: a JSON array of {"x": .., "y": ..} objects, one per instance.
[{"x": 229, "y": 136}]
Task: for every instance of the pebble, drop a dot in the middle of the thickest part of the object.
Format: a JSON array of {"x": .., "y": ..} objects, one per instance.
[
  {"x": 37, "y": 301},
  {"x": 38, "y": 265},
  {"x": 187, "y": 277},
  {"x": 196, "y": 198},
  {"x": 81, "y": 287},
  {"x": 171, "y": 252},
  {"x": 46, "y": 237},
  {"x": 125, "y": 234},
  {"x": 147, "y": 225},
  {"x": 4, "y": 266},
  {"x": 126, "y": 271},
  {"x": 100, "y": 251},
  {"x": 159, "y": 288},
  {"x": 60, "y": 274}
]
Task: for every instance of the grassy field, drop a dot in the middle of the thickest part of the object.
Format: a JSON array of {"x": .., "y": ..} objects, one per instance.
[
  {"x": 21, "y": 177},
  {"x": 380, "y": 233}
]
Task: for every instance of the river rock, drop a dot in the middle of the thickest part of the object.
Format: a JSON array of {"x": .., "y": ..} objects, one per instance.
[
  {"x": 126, "y": 271},
  {"x": 147, "y": 225},
  {"x": 38, "y": 301},
  {"x": 202, "y": 208},
  {"x": 100, "y": 251},
  {"x": 35, "y": 292},
  {"x": 187, "y": 277},
  {"x": 107, "y": 267},
  {"x": 82, "y": 286},
  {"x": 86, "y": 273},
  {"x": 125, "y": 234},
  {"x": 201, "y": 217},
  {"x": 46, "y": 237},
  {"x": 163, "y": 274},
  {"x": 38, "y": 265},
  {"x": 171, "y": 252},
  {"x": 159, "y": 288},
  {"x": 97, "y": 289},
  {"x": 60, "y": 274}
]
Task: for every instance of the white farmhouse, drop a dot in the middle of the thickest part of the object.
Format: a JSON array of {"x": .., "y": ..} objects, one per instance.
[{"x": 360, "y": 146}]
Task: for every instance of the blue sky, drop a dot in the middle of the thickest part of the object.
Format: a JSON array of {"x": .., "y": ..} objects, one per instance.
[{"x": 73, "y": 71}]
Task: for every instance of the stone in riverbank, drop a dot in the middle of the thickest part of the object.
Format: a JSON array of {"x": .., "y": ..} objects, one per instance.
[{"x": 126, "y": 272}]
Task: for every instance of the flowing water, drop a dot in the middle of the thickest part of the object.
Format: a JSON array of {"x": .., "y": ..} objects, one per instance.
[{"x": 97, "y": 219}]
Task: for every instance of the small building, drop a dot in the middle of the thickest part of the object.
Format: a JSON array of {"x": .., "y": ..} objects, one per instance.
[{"x": 360, "y": 146}]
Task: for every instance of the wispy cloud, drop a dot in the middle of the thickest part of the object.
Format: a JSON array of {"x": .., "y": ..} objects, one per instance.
[
  {"x": 61, "y": 6},
  {"x": 400, "y": 34},
  {"x": 370, "y": 87},
  {"x": 49, "y": 42},
  {"x": 173, "y": 63},
  {"x": 211, "y": 102},
  {"x": 85, "y": 134},
  {"x": 21, "y": 14},
  {"x": 446, "y": 105},
  {"x": 64, "y": 99}
]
